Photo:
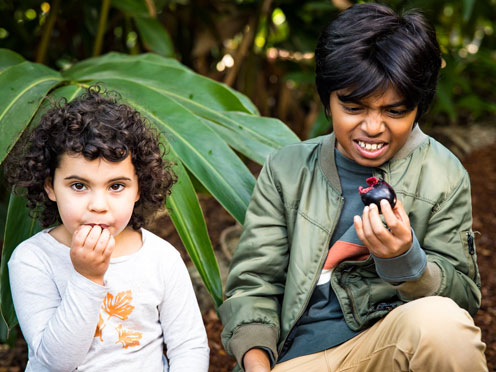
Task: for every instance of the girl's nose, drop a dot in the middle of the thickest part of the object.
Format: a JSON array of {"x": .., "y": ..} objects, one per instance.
[{"x": 98, "y": 203}]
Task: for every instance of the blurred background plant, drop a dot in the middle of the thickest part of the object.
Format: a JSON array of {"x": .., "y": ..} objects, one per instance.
[{"x": 261, "y": 48}]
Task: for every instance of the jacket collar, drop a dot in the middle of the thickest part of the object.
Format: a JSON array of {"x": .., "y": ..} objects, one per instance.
[{"x": 328, "y": 163}]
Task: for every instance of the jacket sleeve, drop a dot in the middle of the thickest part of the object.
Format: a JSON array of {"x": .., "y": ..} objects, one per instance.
[
  {"x": 448, "y": 243},
  {"x": 255, "y": 284}
]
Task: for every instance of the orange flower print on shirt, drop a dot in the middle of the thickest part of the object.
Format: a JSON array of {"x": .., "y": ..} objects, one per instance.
[
  {"x": 99, "y": 328},
  {"x": 120, "y": 307},
  {"x": 128, "y": 338}
]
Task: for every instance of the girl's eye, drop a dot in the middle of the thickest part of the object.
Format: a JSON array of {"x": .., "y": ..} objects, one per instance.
[
  {"x": 78, "y": 186},
  {"x": 117, "y": 187}
]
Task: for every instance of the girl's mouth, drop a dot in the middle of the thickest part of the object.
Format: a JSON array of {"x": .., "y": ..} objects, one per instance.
[{"x": 103, "y": 226}]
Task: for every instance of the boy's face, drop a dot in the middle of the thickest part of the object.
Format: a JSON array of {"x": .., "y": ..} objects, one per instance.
[
  {"x": 372, "y": 130},
  {"x": 96, "y": 192}
]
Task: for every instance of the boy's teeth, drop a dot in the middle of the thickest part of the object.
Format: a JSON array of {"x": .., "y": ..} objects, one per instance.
[{"x": 370, "y": 146}]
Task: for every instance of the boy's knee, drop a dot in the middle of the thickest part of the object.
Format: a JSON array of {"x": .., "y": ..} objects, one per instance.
[
  {"x": 435, "y": 316},
  {"x": 438, "y": 322}
]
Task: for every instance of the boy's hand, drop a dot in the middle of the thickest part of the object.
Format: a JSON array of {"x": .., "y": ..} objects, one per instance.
[
  {"x": 381, "y": 241},
  {"x": 256, "y": 360},
  {"x": 91, "y": 249}
]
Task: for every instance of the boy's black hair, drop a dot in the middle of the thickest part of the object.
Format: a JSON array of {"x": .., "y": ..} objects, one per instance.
[
  {"x": 94, "y": 125},
  {"x": 370, "y": 48}
]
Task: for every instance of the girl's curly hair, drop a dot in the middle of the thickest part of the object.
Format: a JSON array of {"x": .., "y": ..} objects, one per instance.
[{"x": 94, "y": 125}]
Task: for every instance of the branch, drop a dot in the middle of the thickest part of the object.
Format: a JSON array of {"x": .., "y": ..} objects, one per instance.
[
  {"x": 102, "y": 23},
  {"x": 42, "y": 49},
  {"x": 246, "y": 43}
]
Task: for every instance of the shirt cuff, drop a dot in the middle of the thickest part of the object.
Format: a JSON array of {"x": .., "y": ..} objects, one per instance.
[{"x": 406, "y": 267}]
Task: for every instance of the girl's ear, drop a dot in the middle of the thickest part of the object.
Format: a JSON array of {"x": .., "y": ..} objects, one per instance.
[{"x": 49, "y": 189}]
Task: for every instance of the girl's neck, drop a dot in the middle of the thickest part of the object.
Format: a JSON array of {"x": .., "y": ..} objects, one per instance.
[{"x": 127, "y": 242}]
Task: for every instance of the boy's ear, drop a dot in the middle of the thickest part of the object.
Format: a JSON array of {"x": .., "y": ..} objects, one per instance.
[{"x": 49, "y": 189}]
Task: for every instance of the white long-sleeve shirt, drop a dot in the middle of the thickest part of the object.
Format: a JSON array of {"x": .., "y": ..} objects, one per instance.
[{"x": 71, "y": 323}]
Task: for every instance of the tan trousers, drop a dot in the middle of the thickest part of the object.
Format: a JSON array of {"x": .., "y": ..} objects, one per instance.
[{"x": 431, "y": 334}]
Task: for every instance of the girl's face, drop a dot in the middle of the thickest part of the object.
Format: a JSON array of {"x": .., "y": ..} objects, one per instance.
[
  {"x": 372, "y": 130},
  {"x": 93, "y": 192}
]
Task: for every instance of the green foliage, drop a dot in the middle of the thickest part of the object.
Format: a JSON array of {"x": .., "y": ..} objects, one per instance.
[{"x": 202, "y": 121}]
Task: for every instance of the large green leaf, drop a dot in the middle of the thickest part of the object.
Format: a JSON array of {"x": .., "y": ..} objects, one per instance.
[
  {"x": 154, "y": 36},
  {"x": 9, "y": 58},
  {"x": 203, "y": 152},
  {"x": 166, "y": 74},
  {"x": 18, "y": 228},
  {"x": 23, "y": 86},
  {"x": 253, "y": 136},
  {"x": 185, "y": 212}
]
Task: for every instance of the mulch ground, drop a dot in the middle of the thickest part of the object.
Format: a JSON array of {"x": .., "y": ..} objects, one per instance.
[{"x": 481, "y": 165}]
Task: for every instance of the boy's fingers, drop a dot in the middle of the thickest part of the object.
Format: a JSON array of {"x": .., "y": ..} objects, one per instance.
[
  {"x": 357, "y": 221},
  {"x": 400, "y": 210}
]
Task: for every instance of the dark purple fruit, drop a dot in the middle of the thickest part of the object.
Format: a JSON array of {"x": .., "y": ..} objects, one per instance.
[{"x": 378, "y": 189}]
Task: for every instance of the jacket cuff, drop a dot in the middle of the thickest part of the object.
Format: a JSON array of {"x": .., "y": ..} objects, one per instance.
[
  {"x": 407, "y": 267},
  {"x": 427, "y": 285},
  {"x": 251, "y": 336}
]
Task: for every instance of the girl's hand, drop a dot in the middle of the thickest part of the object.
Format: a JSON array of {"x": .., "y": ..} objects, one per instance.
[
  {"x": 256, "y": 360},
  {"x": 381, "y": 241},
  {"x": 91, "y": 249}
]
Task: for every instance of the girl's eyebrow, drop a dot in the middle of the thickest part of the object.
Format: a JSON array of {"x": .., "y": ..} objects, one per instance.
[{"x": 78, "y": 178}]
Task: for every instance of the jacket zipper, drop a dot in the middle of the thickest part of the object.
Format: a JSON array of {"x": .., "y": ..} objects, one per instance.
[{"x": 321, "y": 263}]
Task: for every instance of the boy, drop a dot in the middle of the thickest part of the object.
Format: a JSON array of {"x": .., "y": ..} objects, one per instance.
[{"x": 314, "y": 286}]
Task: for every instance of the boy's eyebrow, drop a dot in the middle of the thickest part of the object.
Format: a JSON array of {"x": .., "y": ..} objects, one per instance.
[
  {"x": 79, "y": 178},
  {"x": 345, "y": 99}
]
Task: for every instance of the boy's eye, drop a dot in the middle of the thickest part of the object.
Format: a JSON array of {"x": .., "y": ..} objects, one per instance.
[
  {"x": 78, "y": 186},
  {"x": 352, "y": 109},
  {"x": 396, "y": 113},
  {"x": 117, "y": 187}
]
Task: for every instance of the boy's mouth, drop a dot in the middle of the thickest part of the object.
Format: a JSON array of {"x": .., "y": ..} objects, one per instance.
[
  {"x": 370, "y": 146},
  {"x": 370, "y": 150}
]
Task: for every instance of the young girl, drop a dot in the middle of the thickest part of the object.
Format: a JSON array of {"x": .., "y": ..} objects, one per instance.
[{"x": 98, "y": 292}]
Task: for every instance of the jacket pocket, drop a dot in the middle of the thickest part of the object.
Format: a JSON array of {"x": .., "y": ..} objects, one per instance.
[{"x": 468, "y": 242}]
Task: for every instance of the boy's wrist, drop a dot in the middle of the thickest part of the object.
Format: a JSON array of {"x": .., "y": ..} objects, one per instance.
[{"x": 256, "y": 360}]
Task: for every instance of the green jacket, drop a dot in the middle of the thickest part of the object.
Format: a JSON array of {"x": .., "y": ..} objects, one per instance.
[{"x": 289, "y": 223}]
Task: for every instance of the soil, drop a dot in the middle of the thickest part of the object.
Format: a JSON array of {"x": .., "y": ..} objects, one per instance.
[{"x": 481, "y": 165}]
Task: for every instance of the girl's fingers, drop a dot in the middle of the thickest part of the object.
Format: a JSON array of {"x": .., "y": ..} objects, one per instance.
[
  {"x": 80, "y": 235},
  {"x": 93, "y": 237},
  {"x": 109, "y": 248},
  {"x": 102, "y": 242}
]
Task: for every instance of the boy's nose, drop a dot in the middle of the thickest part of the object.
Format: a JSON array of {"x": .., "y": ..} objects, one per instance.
[{"x": 373, "y": 125}]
